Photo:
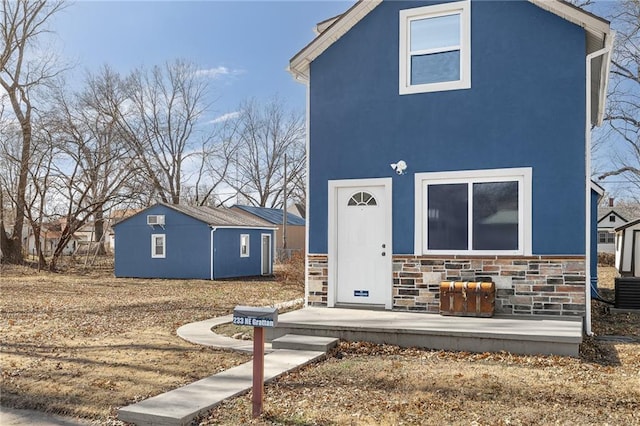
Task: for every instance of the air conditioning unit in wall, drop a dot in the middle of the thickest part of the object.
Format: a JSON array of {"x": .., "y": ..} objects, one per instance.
[{"x": 155, "y": 219}]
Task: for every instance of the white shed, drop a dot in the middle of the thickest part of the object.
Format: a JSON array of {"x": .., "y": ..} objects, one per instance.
[{"x": 628, "y": 249}]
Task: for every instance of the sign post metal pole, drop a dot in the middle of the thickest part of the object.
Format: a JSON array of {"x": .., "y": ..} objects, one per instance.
[
  {"x": 258, "y": 318},
  {"x": 258, "y": 371}
]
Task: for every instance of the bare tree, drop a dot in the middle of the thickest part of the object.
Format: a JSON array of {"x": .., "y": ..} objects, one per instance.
[
  {"x": 623, "y": 111},
  {"x": 161, "y": 123},
  {"x": 265, "y": 133},
  {"x": 21, "y": 24},
  {"x": 97, "y": 162}
]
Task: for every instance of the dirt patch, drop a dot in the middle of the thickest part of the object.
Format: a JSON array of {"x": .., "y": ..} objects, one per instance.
[{"x": 86, "y": 343}]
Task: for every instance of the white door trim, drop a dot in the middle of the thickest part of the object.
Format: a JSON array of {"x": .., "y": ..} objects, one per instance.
[
  {"x": 262, "y": 254},
  {"x": 332, "y": 240}
]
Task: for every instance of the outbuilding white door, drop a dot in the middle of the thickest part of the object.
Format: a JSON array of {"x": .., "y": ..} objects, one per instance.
[
  {"x": 363, "y": 247},
  {"x": 265, "y": 254}
]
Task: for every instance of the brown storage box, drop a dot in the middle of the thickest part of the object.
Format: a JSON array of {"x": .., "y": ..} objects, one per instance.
[{"x": 467, "y": 299}]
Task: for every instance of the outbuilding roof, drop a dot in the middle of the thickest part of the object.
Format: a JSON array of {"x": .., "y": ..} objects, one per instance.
[
  {"x": 273, "y": 216},
  {"x": 628, "y": 225},
  {"x": 214, "y": 216}
]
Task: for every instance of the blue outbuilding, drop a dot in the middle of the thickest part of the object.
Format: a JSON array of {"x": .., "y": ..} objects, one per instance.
[{"x": 176, "y": 241}]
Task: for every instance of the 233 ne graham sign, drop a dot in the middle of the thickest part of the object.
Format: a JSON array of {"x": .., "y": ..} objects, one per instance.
[{"x": 255, "y": 317}]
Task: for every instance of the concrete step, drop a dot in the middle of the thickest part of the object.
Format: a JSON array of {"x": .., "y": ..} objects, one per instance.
[
  {"x": 304, "y": 343},
  {"x": 180, "y": 406}
]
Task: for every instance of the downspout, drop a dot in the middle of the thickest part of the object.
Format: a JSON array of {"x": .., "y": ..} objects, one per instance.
[
  {"x": 213, "y": 229},
  {"x": 587, "y": 129},
  {"x": 307, "y": 210}
]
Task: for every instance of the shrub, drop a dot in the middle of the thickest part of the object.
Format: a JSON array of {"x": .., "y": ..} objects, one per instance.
[{"x": 606, "y": 259}]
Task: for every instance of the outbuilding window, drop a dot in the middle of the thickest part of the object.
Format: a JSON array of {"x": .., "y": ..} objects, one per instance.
[
  {"x": 435, "y": 48},
  {"x": 244, "y": 245},
  {"x": 158, "y": 246},
  {"x": 474, "y": 212}
]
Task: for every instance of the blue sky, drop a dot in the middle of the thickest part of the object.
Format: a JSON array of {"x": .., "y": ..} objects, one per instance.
[{"x": 246, "y": 45}]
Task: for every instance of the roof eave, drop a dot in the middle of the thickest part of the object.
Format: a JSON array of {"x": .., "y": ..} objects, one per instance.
[
  {"x": 598, "y": 34},
  {"x": 299, "y": 64}
]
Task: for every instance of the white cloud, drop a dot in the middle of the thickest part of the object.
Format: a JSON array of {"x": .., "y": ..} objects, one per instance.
[
  {"x": 217, "y": 72},
  {"x": 225, "y": 117}
]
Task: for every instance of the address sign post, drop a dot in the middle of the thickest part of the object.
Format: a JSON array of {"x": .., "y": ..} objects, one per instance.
[{"x": 258, "y": 318}]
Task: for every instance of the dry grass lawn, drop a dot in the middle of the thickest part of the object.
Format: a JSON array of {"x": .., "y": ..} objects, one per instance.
[
  {"x": 364, "y": 384},
  {"x": 84, "y": 345}
]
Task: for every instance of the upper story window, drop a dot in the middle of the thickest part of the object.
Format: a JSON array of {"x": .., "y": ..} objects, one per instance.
[
  {"x": 435, "y": 48},
  {"x": 612, "y": 218}
]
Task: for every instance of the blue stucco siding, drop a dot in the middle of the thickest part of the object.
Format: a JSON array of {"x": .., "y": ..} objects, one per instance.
[
  {"x": 227, "y": 260},
  {"x": 187, "y": 247},
  {"x": 525, "y": 108}
]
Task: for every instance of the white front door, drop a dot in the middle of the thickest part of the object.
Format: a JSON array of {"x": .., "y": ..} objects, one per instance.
[{"x": 362, "y": 242}]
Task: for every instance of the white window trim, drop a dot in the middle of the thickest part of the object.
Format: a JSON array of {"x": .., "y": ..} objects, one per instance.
[
  {"x": 248, "y": 240},
  {"x": 406, "y": 16},
  {"x": 522, "y": 175},
  {"x": 154, "y": 255}
]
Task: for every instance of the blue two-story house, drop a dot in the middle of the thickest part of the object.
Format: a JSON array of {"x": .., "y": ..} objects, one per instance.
[{"x": 450, "y": 141}]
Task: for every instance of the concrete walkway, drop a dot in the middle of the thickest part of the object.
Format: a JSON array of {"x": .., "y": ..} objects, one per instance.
[
  {"x": 15, "y": 417},
  {"x": 182, "y": 405}
]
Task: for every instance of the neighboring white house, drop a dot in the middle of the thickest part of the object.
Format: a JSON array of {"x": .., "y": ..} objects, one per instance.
[
  {"x": 608, "y": 220},
  {"x": 628, "y": 249}
]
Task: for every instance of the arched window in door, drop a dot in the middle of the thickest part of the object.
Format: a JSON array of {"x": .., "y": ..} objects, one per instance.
[{"x": 362, "y": 199}]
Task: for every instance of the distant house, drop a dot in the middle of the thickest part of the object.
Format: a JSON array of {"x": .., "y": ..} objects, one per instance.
[
  {"x": 174, "y": 241},
  {"x": 628, "y": 249},
  {"x": 610, "y": 218},
  {"x": 446, "y": 141},
  {"x": 295, "y": 225},
  {"x": 50, "y": 233}
]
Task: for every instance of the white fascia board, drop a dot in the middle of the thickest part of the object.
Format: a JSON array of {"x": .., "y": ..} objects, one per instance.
[
  {"x": 598, "y": 189},
  {"x": 592, "y": 24},
  {"x": 322, "y": 26},
  {"x": 299, "y": 64}
]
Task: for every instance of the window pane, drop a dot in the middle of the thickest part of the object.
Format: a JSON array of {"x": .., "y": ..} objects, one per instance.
[
  {"x": 435, "y": 67},
  {"x": 433, "y": 33},
  {"x": 495, "y": 216},
  {"x": 448, "y": 217},
  {"x": 159, "y": 246}
]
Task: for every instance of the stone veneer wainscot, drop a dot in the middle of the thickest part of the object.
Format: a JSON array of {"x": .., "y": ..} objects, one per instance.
[{"x": 534, "y": 285}]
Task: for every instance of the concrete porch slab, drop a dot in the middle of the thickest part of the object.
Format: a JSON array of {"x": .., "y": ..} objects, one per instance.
[{"x": 408, "y": 329}]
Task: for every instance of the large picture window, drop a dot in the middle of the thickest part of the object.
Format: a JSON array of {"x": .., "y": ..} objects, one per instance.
[
  {"x": 435, "y": 48},
  {"x": 485, "y": 211}
]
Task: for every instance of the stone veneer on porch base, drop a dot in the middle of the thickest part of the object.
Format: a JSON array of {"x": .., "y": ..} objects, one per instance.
[{"x": 532, "y": 285}]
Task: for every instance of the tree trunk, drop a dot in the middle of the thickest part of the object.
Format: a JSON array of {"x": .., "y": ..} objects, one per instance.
[
  {"x": 98, "y": 227},
  {"x": 8, "y": 250}
]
